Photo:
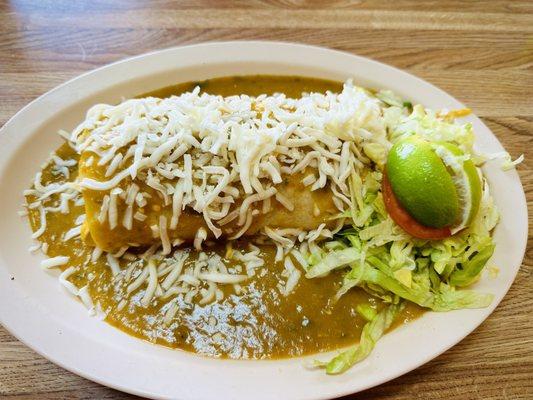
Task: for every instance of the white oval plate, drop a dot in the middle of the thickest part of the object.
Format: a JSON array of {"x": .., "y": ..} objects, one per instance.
[{"x": 37, "y": 311}]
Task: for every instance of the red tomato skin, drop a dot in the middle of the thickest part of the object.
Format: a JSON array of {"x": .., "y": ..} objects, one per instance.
[{"x": 404, "y": 220}]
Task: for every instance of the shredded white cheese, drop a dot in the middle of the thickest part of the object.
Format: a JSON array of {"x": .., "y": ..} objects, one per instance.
[
  {"x": 63, "y": 279},
  {"x": 54, "y": 262},
  {"x": 208, "y": 152},
  {"x": 152, "y": 284},
  {"x": 113, "y": 263},
  {"x": 42, "y": 227}
]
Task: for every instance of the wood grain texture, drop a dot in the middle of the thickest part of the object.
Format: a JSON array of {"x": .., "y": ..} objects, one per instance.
[{"x": 479, "y": 51}]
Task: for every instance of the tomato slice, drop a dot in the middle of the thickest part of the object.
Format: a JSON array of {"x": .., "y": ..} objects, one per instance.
[{"x": 404, "y": 220}]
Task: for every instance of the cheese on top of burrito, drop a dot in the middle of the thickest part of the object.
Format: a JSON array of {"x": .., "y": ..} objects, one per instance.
[{"x": 199, "y": 166}]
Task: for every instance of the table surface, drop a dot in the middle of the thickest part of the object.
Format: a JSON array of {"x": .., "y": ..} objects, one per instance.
[{"x": 481, "y": 52}]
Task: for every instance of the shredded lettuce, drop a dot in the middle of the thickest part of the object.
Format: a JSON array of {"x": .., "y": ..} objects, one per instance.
[
  {"x": 426, "y": 123},
  {"x": 382, "y": 259},
  {"x": 390, "y": 98},
  {"x": 333, "y": 260},
  {"x": 404, "y": 276},
  {"x": 372, "y": 332},
  {"x": 377, "y": 152},
  {"x": 471, "y": 269},
  {"x": 366, "y": 311},
  {"x": 436, "y": 127},
  {"x": 450, "y": 299},
  {"x": 418, "y": 288}
]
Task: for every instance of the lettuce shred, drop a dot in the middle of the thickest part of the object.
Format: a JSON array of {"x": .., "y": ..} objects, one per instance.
[{"x": 372, "y": 332}]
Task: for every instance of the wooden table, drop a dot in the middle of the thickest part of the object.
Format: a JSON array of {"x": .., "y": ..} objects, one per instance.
[{"x": 480, "y": 52}]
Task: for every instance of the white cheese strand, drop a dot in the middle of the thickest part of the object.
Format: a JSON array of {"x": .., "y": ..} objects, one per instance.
[
  {"x": 42, "y": 227},
  {"x": 54, "y": 262},
  {"x": 245, "y": 206},
  {"x": 152, "y": 284},
  {"x": 164, "y": 235}
]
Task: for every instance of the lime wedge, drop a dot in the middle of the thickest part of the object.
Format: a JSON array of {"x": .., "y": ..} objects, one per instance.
[{"x": 422, "y": 184}]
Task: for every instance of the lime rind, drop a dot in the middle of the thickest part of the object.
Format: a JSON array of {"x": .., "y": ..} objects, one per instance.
[{"x": 465, "y": 176}]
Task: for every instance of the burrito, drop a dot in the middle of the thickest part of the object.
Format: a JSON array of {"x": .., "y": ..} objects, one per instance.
[{"x": 195, "y": 167}]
